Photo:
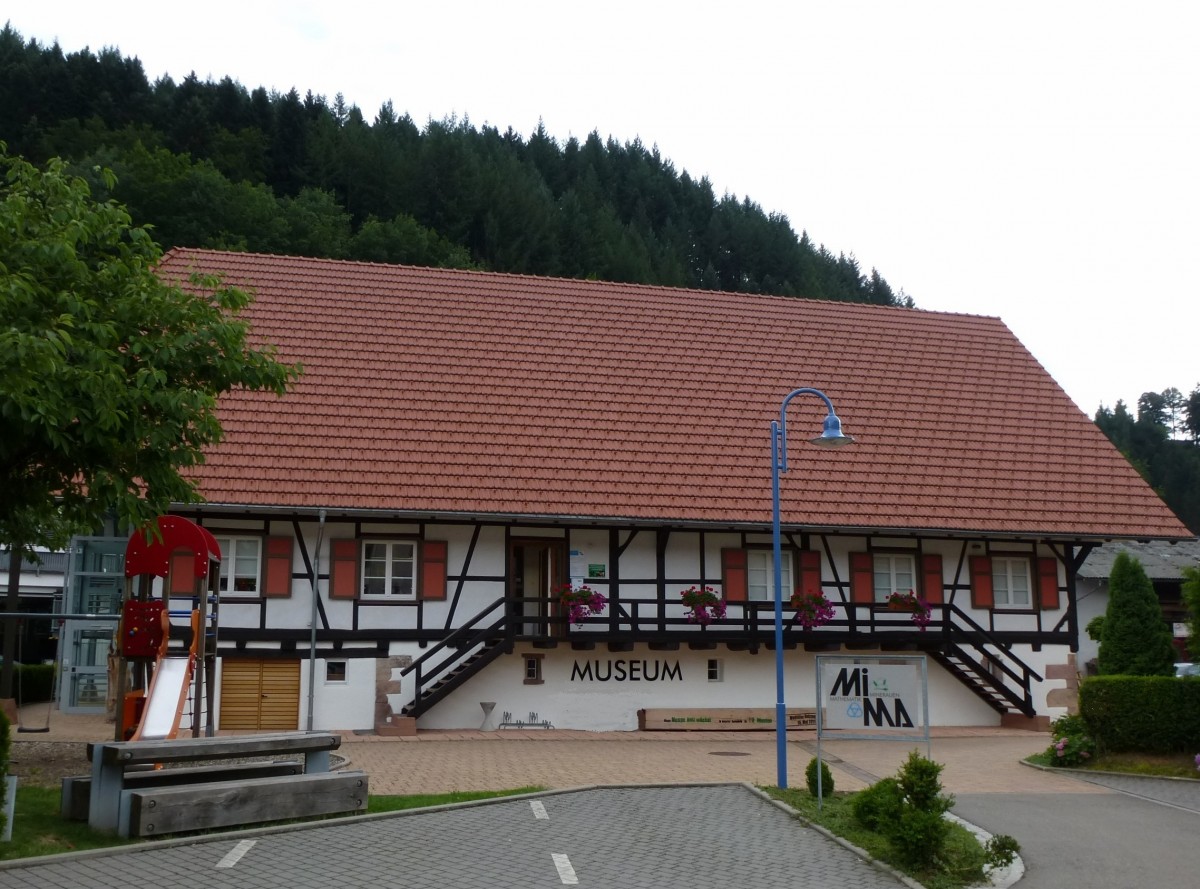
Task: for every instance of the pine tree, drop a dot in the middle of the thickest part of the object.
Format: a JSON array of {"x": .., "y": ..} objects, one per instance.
[{"x": 1136, "y": 641}]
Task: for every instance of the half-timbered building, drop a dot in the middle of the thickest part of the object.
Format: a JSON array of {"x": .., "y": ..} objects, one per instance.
[{"x": 461, "y": 444}]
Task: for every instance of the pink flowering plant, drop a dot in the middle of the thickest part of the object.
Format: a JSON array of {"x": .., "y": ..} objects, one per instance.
[
  {"x": 1072, "y": 745},
  {"x": 704, "y": 604},
  {"x": 812, "y": 609},
  {"x": 913, "y": 604},
  {"x": 580, "y": 602}
]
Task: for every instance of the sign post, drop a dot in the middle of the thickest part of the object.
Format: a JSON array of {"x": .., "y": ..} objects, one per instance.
[{"x": 871, "y": 699}]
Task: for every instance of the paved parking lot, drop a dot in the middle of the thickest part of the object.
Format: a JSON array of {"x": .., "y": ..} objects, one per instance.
[{"x": 700, "y": 837}]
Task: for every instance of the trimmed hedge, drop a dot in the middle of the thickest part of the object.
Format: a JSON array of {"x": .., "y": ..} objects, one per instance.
[
  {"x": 1151, "y": 714},
  {"x": 4, "y": 754},
  {"x": 34, "y": 682}
]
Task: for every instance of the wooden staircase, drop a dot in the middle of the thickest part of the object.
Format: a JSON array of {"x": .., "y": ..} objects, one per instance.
[
  {"x": 998, "y": 677},
  {"x": 457, "y": 658}
]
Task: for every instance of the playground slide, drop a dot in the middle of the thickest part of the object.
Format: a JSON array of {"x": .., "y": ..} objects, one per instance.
[
  {"x": 167, "y": 695},
  {"x": 165, "y": 699}
]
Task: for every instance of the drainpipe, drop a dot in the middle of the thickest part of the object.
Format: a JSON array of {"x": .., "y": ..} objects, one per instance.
[{"x": 314, "y": 582}]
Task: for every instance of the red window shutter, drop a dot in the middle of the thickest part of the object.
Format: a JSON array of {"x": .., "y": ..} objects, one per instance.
[
  {"x": 931, "y": 578},
  {"x": 183, "y": 572},
  {"x": 277, "y": 573},
  {"x": 433, "y": 570},
  {"x": 981, "y": 582},
  {"x": 1047, "y": 570},
  {"x": 862, "y": 578},
  {"x": 343, "y": 569},
  {"x": 809, "y": 580},
  {"x": 733, "y": 575}
]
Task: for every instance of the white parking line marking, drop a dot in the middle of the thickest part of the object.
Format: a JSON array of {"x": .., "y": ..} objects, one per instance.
[
  {"x": 236, "y": 853},
  {"x": 566, "y": 873},
  {"x": 539, "y": 810}
]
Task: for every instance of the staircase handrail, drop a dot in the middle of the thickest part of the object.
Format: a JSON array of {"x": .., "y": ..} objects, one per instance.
[{"x": 454, "y": 638}]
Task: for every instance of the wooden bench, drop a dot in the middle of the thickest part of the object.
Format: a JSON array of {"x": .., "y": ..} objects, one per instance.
[{"x": 121, "y": 799}]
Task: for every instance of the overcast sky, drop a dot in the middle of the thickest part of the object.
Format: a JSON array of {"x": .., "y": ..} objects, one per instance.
[{"x": 1031, "y": 160}]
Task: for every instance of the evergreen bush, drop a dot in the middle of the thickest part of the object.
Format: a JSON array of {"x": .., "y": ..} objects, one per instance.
[
  {"x": 918, "y": 836},
  {"x": 810, "y": 777},
  {"x": 1135, "y": 639}
]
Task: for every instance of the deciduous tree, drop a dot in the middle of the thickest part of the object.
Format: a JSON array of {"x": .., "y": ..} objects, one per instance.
[{"x": 109, "y": 376}]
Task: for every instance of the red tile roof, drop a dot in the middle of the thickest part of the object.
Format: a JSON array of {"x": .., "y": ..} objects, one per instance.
[{"x": 435, "y": 391}]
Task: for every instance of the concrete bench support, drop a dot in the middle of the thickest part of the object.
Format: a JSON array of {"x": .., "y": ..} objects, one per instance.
[
  {"x": 162, "y": 810},
  {"x": 114, "y": 764}
]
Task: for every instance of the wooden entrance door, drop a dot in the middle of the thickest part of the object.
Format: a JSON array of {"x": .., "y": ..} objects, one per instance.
[
  {"x": 535, "y": 567},
  {"x": 260, "y": 695}
]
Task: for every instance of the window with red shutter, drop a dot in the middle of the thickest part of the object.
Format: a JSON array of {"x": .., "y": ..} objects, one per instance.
[
  {"x": 343, "y": 569},
  {"x": 810, "y": 571},
  {"x": 931, "y": 578},
  {"x": 981, "y": 582},
  {"x": 433, "y": 570},
  {"x": 277, "y": 573},
  {"x": 862, "y": 578},
  {"x": 733, "y": 574},
  {"x": 1047, "y": 570}
]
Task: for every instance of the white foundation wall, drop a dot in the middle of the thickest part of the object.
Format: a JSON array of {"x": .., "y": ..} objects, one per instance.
[
  {"x": 346, "y": 705},
  {"x": 602, "y": 691}
]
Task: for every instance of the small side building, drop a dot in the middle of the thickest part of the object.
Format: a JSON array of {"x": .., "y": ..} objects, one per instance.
[{"x": 1164, "y": 563}]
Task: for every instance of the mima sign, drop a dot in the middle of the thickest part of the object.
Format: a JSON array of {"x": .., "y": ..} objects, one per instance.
[{"x": 872, "y": 694}]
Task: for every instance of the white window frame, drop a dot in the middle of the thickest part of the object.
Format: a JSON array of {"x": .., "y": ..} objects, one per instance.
[
  {"x": 1003, "y": 574},
  {"x": 231, "y": 567},
  {"x": 760, "y": 575},
  {"x": 345, "y": 669},
  {"x": 889, "y": 564},
  {"x": 716, "y": 670},
  {"x": 393, "y": 585},
  {"x": 533, "y": 669}
]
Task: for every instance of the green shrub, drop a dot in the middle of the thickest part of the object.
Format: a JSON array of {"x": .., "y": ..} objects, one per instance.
[
  {"x": 1073, "y": 745},
  {"x": 920, "y": 779},
  {"x": 4, "y": 753},
  {"x": 879, "y": 804},
  {"x": 918, "y": 835},
  {"x": 34, "y": 682},
  {"x": 810, "y": 777},
  {"x": 1001, "y": 850},
  {"x": 1149, "y": 714},
  {"x": 1134, "y": 641}
]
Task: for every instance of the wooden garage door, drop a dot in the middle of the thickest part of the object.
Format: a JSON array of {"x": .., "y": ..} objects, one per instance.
[{"x": 258, "y": 695}]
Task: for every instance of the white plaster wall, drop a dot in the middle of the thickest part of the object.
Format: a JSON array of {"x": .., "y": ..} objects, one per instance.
[
  {"x": 576, "y": 704},
  {"x": 749, "y": 681},
  {"x": 1093, "y": 602},
  {"x": 348, "y": 705}
]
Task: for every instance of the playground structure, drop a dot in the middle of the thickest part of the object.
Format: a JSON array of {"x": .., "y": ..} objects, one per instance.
[{"x": 152, "y": 682}]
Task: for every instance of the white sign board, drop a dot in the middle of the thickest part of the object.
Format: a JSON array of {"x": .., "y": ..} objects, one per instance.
[{"x": 866, "y": 695}]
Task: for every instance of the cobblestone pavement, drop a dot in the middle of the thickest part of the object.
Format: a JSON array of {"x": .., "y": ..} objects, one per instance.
[
  {"x": 660, "y": 834},
  {"x": 697, "y": 837}
]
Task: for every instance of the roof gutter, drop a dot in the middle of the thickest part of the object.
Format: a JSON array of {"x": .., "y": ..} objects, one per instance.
[{"x": 334, "y": 514}]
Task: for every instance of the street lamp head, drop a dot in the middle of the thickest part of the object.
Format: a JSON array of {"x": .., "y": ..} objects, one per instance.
[{"x": 832, "y": 436}]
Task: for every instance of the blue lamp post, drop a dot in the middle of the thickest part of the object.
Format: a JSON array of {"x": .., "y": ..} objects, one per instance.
[{"x": 830, "y": 437}]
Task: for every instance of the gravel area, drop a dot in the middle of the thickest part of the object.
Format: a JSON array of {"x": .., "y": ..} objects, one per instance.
[{"x": 45, "y": 763}]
